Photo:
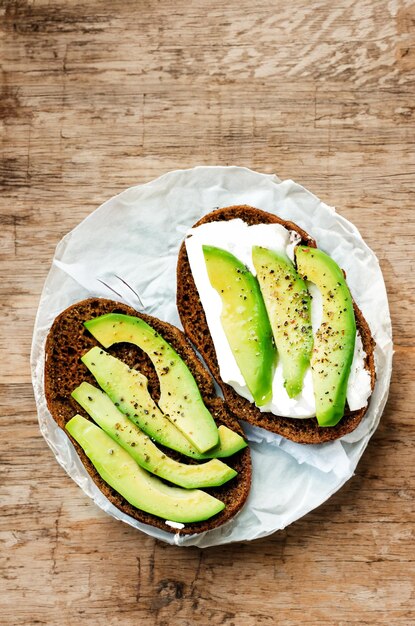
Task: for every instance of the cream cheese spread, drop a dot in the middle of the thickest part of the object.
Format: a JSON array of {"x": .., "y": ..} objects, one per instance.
[
  {"x": 237, "y": 237},
  {"x": 177, "y": 525}
]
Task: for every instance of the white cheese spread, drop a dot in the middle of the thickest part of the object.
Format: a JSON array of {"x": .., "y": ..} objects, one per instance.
[
  {"x": 177, "y": 525},
  {"x": 237, "y": 237}
]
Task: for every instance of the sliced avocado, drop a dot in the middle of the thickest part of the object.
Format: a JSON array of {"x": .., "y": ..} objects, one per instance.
[
  {"x": 335, "y": 339},
  {"x": 144, "y": 491},
  {"x": 180, "y": 398},
  {"x": 127, "y": 388},
  {"x": 140, "y": 447},
  {"x": 244, "y": 319},
  {"x": 288, "y": 304},
  {"x": 229, "y": 443}
]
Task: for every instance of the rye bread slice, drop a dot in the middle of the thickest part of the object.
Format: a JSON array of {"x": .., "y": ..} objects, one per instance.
[
  {"x": 68, "y": 340},
  {"x": 195, "y": 326}
]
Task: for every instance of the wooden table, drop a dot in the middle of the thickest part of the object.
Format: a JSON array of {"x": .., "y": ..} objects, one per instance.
[{"x": 98, "y": 96}]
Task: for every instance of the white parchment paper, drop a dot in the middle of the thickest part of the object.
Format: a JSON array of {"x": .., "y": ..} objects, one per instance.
[{"x": 136, "y": 235}]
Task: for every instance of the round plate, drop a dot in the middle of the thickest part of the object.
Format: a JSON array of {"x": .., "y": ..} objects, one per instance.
[{"x": 129, "y": 246}]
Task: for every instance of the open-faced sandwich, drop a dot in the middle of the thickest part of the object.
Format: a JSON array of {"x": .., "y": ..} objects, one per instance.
[
  {"x": 144, "y": 417},
  {"x": 274, "y": 319}
]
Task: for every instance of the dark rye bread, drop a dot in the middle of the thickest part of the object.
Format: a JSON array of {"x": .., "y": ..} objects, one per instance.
[
  {"x": 68, "y": 340},
  {"x": 195, "y": 326}
]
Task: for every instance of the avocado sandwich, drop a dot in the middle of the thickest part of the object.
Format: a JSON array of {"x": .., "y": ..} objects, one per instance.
[
  {"x": 144, "y": 417},
  {"x": 273, "y": 317}
]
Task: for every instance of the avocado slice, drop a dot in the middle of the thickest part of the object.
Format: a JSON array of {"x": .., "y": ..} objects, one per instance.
[
  {"x": 335, "y": 339},
  {"x": 244, "y": 319},
  {"x": 229, "y": 443},
  {"x": 144, "y": 491},
  {"x": 127, "y": 388},
  {"x": 287, "y": 302},
  {"x": 140, "y": 447},
  {"x": 180, "y": 398}
]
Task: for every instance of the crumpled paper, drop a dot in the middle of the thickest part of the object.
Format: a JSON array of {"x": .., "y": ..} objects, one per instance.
[{"x": 136, "y": 235}]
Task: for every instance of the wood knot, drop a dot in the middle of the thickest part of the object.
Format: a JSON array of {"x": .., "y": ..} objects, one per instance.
[{"x": 170, "y": 589}]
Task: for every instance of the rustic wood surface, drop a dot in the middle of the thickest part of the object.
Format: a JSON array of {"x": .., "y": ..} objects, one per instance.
[{"x": 97, "y": 96}]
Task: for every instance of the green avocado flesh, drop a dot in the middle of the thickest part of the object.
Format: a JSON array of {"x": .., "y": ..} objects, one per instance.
[
  {"x": 229, "y": 443},
  {"x": 245, "y": 321},
  {"x": 140, "y": 447},
  {"x": 144, "y": 491},
  {"x": 288, "y": 305},
  {"x": 180, "y": 398},
  {"x": 127, "y": 388},
  {"x": 335, "y": 339}
]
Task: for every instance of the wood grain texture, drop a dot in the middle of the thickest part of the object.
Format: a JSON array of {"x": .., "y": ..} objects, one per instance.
[{"x": 98, "y": 96}]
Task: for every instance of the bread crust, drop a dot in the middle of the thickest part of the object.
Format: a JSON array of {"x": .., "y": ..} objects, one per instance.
[
  {"x": 193, "y": 318},
  {"x": 68, "y": 340}
]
